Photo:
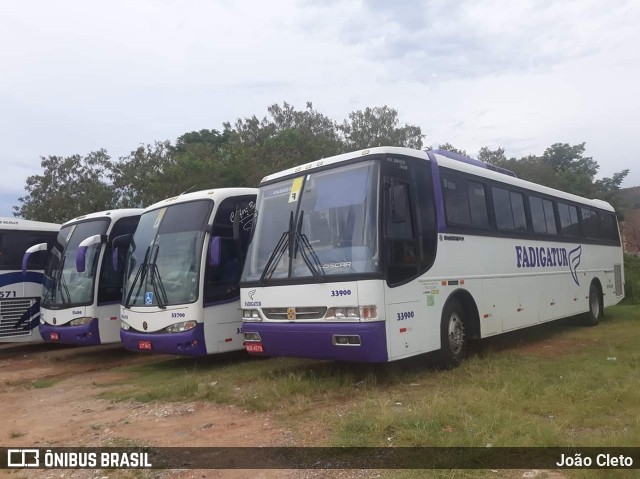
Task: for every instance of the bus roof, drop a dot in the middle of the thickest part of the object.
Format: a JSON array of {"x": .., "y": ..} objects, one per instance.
[
  {"x": 448, "y": 160},
  {"x": 8, "y": 223},
  {"x": 217, "y": 194},
  {"x": 115, "y": 214}
]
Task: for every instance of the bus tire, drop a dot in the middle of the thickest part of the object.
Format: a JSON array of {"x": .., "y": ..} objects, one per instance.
[
  {"x": 453, "y": 338},
  {"x": 592, "y": 317}
]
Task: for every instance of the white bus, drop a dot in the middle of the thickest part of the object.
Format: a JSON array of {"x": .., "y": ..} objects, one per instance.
[
  {"x": 182, "y": 276},
  {"x": 20, "y": 291},
  {"x": 82, "y": 290},
  {"x": 386, "y": 253}
]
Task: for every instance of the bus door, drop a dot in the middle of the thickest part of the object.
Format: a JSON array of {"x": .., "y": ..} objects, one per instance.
[{"x": 406, "y": 308}]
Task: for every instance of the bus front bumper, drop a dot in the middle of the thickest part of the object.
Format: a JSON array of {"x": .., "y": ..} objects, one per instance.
[
  {"x": 83, "y": 335},
  {"x": 318, "y": 340},
  {"x": 186, "y": 343}
]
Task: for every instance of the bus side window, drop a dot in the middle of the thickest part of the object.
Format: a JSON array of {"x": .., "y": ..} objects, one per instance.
[
  {"x": 401, "y": 252},
  {"x": 222, "y": 281}
]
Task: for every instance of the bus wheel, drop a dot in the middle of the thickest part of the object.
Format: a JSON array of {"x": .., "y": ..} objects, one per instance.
[
  {"x": 452, "y": 335},
  {"x": 592, "y": 317}
]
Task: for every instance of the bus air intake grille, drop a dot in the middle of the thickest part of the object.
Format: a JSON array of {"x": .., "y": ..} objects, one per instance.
[
  {"x": 303, "y": 312},
  {"x": 11, "y": 311},
  {"x": 617, "y": 277}
]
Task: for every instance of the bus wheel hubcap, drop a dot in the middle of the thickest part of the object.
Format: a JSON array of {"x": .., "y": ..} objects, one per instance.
[{"x": 456, "y": 333}]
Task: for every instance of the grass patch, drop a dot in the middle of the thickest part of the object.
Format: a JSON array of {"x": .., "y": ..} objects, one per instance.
[
  {"x": 41, "y": 383},
  {"x": 554, "y": 385}
]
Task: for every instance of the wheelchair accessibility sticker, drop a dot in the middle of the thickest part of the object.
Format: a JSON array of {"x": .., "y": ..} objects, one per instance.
[{"x": 148, "y": 298}]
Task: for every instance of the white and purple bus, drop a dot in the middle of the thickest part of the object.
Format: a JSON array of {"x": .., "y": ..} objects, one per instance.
[
  {"x": 386, "y": 253},
  {"x": 20, "y": 291},
  {"x": 81, "y": 289},
  {"x": 183, "y": 270}
]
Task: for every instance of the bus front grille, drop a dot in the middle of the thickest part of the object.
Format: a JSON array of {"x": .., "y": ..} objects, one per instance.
[
  {"x": 11, "y": 312},
  {"x": 303, "y": 312},
  {"x": 617, "y": 277}
]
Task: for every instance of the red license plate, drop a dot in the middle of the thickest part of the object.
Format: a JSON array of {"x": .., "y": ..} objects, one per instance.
[
  {"x": 254, "y": 347},
  {"x": 54, "y": 336},
  {"x": 144, "y": 345}
]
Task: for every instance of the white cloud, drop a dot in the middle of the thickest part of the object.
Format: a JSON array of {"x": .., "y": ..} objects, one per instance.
[{"x": 78, "y": 77}]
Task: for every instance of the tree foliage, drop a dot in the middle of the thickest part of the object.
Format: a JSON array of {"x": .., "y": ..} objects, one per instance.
[
  {"x": 68, "y": 187},
  {"x": 247, "y": 150}
]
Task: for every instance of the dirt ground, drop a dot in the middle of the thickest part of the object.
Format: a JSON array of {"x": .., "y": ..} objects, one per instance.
[{"x": 70, "y": 412}]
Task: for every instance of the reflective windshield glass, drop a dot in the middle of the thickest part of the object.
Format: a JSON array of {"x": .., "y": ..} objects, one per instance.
[
  {"x": 63, "y": 285},
  {"x": 329, "y": 219},
  {"x": 164, "y": 259}
]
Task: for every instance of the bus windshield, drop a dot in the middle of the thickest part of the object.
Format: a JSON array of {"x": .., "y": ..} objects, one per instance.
[
  {"x": 318, "y": 225},
  {"x": 63, "y": 285},
  {"x": 164, "y": 260}
]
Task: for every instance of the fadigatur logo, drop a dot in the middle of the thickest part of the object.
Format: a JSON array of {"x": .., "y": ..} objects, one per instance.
[{"x": 549, "y": 257}]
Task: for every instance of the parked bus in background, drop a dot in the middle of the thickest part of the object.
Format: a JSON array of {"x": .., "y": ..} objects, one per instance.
[
  {"x": 82, "y": 290},
  {"x": 386, "y": 253},
  {"x": 20, "y": 293},
  {"x": 182, "y": 277}
]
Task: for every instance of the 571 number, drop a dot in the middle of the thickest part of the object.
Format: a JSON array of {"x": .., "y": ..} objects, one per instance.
[{"x": 7, "y": 294}]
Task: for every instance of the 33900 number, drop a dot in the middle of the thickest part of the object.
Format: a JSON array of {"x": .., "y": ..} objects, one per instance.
[
  {"x": 405, "y": 315},
  {"x": 341, "y": 292}
]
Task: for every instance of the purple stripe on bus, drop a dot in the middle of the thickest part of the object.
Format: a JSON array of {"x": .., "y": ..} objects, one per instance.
[
  {"x": 186, "y": 343},
  {"x": 314, "y": 340},
  {"x": 437, "y": 192},
  {"x": 83, "y": 335}
]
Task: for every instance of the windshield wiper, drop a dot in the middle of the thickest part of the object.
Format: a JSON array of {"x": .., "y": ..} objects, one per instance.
[
  {"x": 311, "y": 258},
  {"x": 281, "y": 246},
  {"x": 140, "y": 273},
  {"x": 61, "y": 285},
  {"x": 156, "y": 281}
]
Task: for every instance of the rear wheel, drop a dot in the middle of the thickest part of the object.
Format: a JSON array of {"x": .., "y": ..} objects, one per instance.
[
  {"x": 453, "y": 338},
  {"x": 592, "y": 317}
]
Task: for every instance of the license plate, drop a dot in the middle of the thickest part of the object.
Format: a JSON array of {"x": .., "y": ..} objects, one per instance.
[
  {"x": 144, "y": 345},
  {"x": 54, "y": 336},
  {"x": 254, "y": 347}
]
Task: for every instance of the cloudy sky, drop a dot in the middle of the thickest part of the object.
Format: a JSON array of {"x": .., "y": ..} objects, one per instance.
[{"x": 76, "y": 76}]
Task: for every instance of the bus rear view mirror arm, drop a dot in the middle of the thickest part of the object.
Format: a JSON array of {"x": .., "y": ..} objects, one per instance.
[
  {"x": 215, "y": 251},
  {"x": 29, "y": 252},
  {"x": 117, "y": 242},
  {"x": 82, "y": 250}
]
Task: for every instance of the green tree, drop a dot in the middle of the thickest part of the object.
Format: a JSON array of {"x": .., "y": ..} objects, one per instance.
[
  {"x": 140, "y": 178},
  {"x": 379, "y": 127},
  {"x": 68, "y": 187},
  {"x": 494, "y": 157},
  {"x": 449, "y": 147}
]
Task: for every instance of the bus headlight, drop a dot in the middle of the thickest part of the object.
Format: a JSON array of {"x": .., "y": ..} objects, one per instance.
[
  {"x": 80, "y": 321},
  {"x": 251, "y": 314},
  {"x": 125, "y": 326},
  {"x": 365, "y": 313},
  {"x": 180, "y": 327},
  {"x": 342, "y": 313}
]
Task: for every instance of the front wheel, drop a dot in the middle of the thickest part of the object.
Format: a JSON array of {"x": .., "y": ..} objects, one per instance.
[
  {"x": 453, "y": 338},
  {"x": 592, "y": 317}
]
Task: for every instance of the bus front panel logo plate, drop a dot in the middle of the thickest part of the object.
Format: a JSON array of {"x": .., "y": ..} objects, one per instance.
[{"x": 291, "y": 313}]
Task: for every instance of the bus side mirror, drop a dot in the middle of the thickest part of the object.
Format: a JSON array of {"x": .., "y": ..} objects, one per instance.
[
  {"x": 400, "y": 203},
  {"x": 29, "y": 252},
  {"x": 215, "y": 251},
  {"x": 82, "y": 250},
  {"x": 119, "y": 241}
]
